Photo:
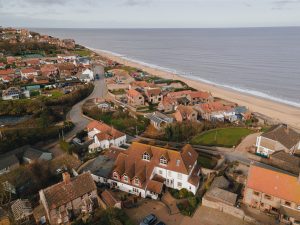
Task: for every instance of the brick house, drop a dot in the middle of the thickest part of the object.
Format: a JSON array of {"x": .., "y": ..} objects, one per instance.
[
  {"x": 69, "y": 198},
  {"x": 154, "y": 95},
  {"x": 273, "y": 191},
  {"x": 185, "y": 113},
  {"x": 280, "y": 137},
  {"x": 135, "y": 98},
  {"x": 196, "y": 97},
  {"x": 29, "y": 73},
  {"x": 168, "y": 104}
]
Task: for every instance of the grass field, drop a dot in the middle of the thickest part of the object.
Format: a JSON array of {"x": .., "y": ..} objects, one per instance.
[{"x": 225, "y": 137}]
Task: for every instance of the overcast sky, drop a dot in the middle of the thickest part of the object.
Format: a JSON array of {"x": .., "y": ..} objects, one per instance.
[{"x": 149, "y": 13}]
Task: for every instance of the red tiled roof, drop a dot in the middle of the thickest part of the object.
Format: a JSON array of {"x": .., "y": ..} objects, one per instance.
[
  {"x": 108, "y": 198},
  {"x": 64, "y": 192},
  {"x": 28, "y": 70},
  {"x": 7, "y": 72},
  {"x": 133, "y": 93},
  {"x": 213, "y": 107},
  {"x": 155, "y": 186},
  {"x": 105, "y": 130},
  {"x": 200, "y": 94},
  {"x": 153, "y": 91},
  {"x": 179, "y": 94},
  {"x": 274, "y": 182}
]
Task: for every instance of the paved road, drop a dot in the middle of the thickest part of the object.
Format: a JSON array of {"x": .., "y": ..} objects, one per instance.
[{"x": 75, "y": 114}]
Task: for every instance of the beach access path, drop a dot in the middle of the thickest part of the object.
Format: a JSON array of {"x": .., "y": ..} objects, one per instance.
[{"x": 278, "y": 111}]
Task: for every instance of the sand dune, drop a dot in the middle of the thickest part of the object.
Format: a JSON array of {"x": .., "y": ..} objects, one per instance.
[{"x": 277, "y": 111}]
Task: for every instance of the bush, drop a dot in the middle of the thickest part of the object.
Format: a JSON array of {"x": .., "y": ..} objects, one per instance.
[
  {"x": 189, "y": 206},
  {"x": 181, "y": 194}
]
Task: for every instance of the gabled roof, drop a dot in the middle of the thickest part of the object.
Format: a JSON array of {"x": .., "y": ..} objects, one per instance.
[
  {"x": 106, "y": 132},
  {"x": 200, "y": 94},
  {"x": 64, "y": 192},
  {"x": 7, "y": 161},
  {"x": 284, "y": 135},
  {"x": 274, "y": 182},
  {"x": 179, "y": 94},
  {"x": 185, "y": 110},
  {"x": 7, "y": 72},
  {"x": 133, "y": 93},
  {"x": 212, "y": 107},
  {"x": 28, "y": 70},
  {"x": 153, "y": 91}
]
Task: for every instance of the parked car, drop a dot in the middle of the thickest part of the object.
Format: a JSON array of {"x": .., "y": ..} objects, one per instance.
[
  {"x": 160, "y": 223},
  {"x": 149, "y": 220}
]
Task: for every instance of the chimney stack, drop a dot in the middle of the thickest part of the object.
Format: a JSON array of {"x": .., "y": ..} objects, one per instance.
[{"x": 66, "y": 177}]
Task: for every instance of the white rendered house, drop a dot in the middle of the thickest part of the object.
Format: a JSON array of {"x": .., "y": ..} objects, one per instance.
[
  {"x": 104, "y": 136},
  {"x": 145, "y": 170}
]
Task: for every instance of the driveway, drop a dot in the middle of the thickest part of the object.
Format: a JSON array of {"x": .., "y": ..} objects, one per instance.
[
  {"x": 208, "y": 216},
  {"x": 148, "y": 206}
]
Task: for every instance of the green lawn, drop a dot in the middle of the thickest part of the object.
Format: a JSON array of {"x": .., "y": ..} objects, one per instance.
[
  {"x": 82, "y": 52},
  {"x": 225, "y": 137}
]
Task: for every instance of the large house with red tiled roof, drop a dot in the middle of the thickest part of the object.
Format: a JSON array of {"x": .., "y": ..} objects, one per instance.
[
  {"x": 273, "y": 191},
  {"x": 135, "y": 98},
  {"x": 154, "y": 95},
  {"x": 216, "y": 111},
  {"x": 196, "y": 97},
  {"x": 69, "y": 198},
  {"x": 145, "y": 170},
  {"x": 104, "y": 136},
  {"x": 185, "y": 113},
  {"x": 29, "y": 73}
]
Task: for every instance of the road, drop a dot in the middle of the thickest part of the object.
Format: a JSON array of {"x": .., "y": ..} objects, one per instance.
[{"x": 75, "y": 114}]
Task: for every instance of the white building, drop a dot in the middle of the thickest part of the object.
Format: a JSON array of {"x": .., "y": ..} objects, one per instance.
[
  {"x": 104, "y": 136},
  {"x": 145, "y": 170},
  {"x": 87, "y": 76},
  {"x": 280, "y": 137}
]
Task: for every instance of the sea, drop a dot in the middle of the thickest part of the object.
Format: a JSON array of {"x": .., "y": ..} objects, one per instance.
[{"x": 263, "y": 62}]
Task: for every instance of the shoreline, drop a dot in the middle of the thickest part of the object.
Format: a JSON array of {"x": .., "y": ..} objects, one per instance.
[{"x": 280, "y": 112}]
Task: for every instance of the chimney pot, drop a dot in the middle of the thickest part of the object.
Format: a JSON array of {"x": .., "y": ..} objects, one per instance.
[{"x": 66, "y": 177}]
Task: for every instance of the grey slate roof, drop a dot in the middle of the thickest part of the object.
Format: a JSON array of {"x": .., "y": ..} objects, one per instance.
[
  {"x": 101, "y": 166},
  {"x": 7, "y": 161},
  {"x": 218, "y": 194},
  {"x": 220, "y": 182}
]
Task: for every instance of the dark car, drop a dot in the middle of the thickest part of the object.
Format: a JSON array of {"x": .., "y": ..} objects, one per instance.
[
  {"x": 149, "y": 220},
  {"x": 160, "y": 223}
]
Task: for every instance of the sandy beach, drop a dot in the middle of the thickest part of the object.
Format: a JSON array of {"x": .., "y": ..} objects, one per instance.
[{"x": 278, "y": 111}]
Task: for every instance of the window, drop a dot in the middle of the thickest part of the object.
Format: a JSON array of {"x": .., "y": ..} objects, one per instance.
[
  {"x": 163, "y": 160},
  {"x": 136, "y": 181},
  {"x": 125, "y": 178},
  {"x": 179, "y": 176},
  {"x": 256, "y": 193},
  {"x": 288, "y": 203},
  {"x": 146, "y": 156},
  {"x": 116, "y": 176},
  {"x": 267, "y": 197},
  {"x": 179, "y": 184},
  {"x": 160, "y": 172}
]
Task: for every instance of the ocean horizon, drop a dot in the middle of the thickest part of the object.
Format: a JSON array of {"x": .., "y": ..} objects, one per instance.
[{"x": 263, "y": 62}]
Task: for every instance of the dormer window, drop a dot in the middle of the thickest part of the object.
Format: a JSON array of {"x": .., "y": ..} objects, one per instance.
[
  {"x": 163, "y": 160},
  {"x": 116, "y": 175},
  {"x": 136, "y": 181},
  {"x": 146, "y": 156},
  {"x": 125, "y": 178}
]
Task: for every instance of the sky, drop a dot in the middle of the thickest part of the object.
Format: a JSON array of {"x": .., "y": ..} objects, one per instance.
[{"x": 149, "y": 13}]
